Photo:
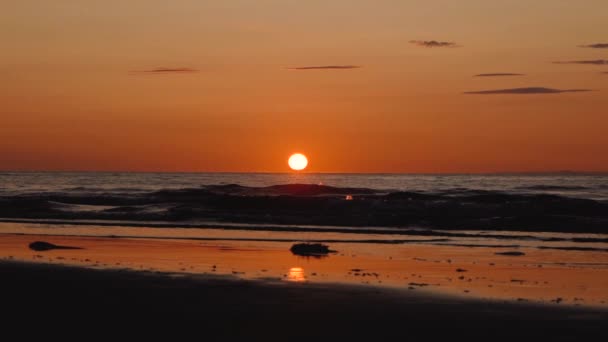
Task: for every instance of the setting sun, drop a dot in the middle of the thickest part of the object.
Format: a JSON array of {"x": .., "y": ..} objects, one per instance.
[{"x": 298, "y": 161}]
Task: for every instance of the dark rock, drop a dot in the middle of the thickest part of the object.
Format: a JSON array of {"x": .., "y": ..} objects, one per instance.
[
  {"x": 511, "y": 253},
  {"x": 42, "y": 246},
  {"x": 311, "y": 249}
]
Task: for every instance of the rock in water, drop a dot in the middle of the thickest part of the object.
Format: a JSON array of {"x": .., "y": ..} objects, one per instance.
[
  {"x": 41, "y": 246},
  {"x": 311, "y": 249},
  {"x": 511, "y": 253}
]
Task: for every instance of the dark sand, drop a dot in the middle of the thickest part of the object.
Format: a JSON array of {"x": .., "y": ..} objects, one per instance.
[{"x": 145, "y": 303}]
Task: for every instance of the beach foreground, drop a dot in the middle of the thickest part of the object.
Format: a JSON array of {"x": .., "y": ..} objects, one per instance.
[
  {"x": 247, "y": 284},
  {"x": 518, "y": 270},
  {"x": 230, "y": 307}
]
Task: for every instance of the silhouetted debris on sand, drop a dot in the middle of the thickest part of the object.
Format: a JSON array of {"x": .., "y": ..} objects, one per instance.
[
  {"x": 511, "y": 253},
  {"x": 418, "y": 284},
  {"x": 311, "y": 249},
  {"x": 41, "y": 246}
]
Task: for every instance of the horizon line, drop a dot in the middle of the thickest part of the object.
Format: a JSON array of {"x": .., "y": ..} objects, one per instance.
[{"x": 555, "y": 172}]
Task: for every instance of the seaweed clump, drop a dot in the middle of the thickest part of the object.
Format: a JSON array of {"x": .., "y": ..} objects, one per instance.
[{"x": 311, "y": 249}]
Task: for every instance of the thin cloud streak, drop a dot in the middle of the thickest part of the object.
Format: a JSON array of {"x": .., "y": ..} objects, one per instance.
[
  {"x": 595, "y": 46},
  {"x": 525, "y": 91},
  {"x": 326, "y": 67},
  {"x": 169, "y": 70},
  {"x": 591, "y": 62},
  {"x": 433, "y": 43},
  {"x": 498, "y": 74}
]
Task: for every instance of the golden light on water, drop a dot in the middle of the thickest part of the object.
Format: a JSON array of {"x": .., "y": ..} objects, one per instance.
[
  {"x": 296, "y": 274},
  {"x": 297, "y": 161}
]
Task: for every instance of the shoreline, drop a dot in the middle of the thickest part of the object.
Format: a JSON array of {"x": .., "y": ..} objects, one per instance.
[
  {"x": 596, "y": 243},
  {"x": 564, "y": 278},
  {"x": 405, "y": 231}
]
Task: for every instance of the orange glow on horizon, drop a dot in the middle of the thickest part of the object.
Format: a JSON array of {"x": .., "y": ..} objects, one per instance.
[{"x": 130, "y": 88}]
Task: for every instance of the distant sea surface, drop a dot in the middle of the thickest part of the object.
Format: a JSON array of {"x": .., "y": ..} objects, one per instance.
[{"x": 583, "y": 186}]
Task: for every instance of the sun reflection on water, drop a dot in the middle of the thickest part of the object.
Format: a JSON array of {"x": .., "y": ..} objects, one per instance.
[{"x": 296, "y": 274}]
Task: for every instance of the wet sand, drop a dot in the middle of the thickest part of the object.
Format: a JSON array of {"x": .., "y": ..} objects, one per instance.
[
  {"x": 554, "y": 277},
  {"x": 252, "y": 289}
]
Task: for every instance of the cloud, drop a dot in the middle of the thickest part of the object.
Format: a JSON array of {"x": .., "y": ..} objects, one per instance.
[
  {"x": 432, "y": 43},
  {"x": 593, "y": 62},
  {"x": 169, "y": 70},
  {"x": 525, "y": 91},
  {"x": 595, "y": 46},
  {"x": 498, "y": 74},
  {"x": 326, "y": 67}
]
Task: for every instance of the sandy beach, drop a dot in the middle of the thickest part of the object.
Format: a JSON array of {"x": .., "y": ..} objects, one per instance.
[
  {"x": 239, "y": 289},
  {"x": 483, "y": 270},
  {"x": 226, "y": 307}
]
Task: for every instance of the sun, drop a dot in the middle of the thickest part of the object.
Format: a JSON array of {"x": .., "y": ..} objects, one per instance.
[{"x": 298, "y": 161}]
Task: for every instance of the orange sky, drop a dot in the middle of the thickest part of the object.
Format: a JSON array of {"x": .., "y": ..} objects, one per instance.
[{"x": 75, "y": 94}]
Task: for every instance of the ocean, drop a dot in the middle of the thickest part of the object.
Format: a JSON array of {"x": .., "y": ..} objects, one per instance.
[
  {"x": 532, "y": 237},
  {"x": 585, "y": 186}
]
